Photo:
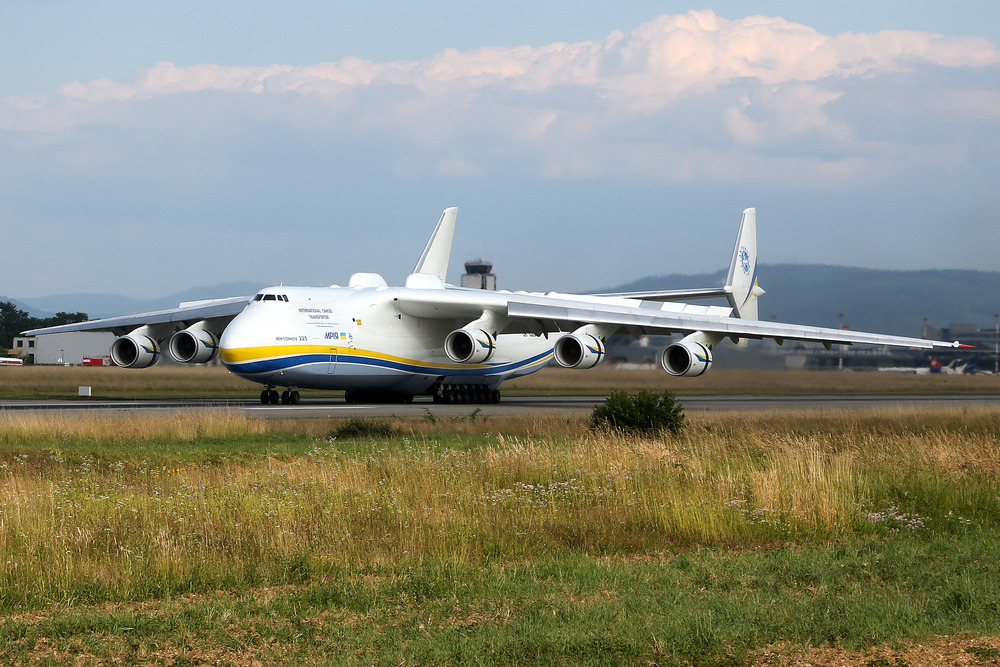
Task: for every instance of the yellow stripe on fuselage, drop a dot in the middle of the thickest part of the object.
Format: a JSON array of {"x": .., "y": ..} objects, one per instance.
[{"x": 242, "y": 355}]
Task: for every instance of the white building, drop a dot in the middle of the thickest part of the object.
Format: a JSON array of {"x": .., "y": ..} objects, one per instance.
[{"x": 63, "y": 348}]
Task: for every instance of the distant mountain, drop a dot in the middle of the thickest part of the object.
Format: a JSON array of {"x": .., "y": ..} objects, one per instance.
[
  {"x": 110, "y": 305},
  {"x": 33, "y": 312},
  {"x": 894, "y": 302}
]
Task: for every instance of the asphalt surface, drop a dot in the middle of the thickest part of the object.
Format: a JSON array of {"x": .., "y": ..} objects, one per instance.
[{"x": 318, "y": 408}]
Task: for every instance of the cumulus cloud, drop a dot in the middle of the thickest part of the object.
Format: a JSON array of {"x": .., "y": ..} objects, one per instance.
[{"x": 698, "y": 83}]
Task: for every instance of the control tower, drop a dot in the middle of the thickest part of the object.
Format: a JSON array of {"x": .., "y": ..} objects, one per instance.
[{"x": 478, "y": 275}]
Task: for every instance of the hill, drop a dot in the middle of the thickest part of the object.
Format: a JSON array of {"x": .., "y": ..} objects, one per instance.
[
  {"x": 895, "y": 302},
  {"x": 110, "y": 305}
]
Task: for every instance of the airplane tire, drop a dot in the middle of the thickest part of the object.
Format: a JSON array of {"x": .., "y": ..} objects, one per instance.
[
  {"x": 286, "y": 397},
  {"x": 296, "y": 398},
  {"x": 265, "y": 397},
  {"x": 273, "y": 397},
  {"x": 495, "y": 397}
]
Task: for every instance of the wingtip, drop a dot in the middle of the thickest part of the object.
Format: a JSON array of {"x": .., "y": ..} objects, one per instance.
[{"x": 964, "y": 347}]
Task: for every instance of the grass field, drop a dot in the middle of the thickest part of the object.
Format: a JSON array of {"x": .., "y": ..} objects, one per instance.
[
  {"x": 807, "y": 538},
  {"x": 216, "y": 382}
]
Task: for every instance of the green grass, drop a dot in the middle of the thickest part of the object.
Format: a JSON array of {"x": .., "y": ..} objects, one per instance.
[
  {"x": 702, "y": 607},
  {"x": 220, "y": 538}
]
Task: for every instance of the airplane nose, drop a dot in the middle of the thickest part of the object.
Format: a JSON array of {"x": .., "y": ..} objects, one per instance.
[{"x": 238, "y": 341}]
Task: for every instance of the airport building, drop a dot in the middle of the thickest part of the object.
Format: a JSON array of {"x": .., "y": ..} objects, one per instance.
[
  {"x": 64, "y": 348},
  {"x": 479, "y": 275}
]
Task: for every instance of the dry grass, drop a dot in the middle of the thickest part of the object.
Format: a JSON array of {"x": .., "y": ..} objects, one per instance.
[
  {"x": 111, "y": 380},
  {"x": 20, "y": 427},
  {"x": 509, "y": 488}
]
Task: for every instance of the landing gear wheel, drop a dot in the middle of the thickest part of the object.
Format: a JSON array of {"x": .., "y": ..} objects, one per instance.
[
  {"x": 286, "y": 397},
  {"x": 295, "y": 398},
  {"x": 495, "y": 397},
  {"x": 273, "y": 397},
  {"x": 265, "y": 397}
]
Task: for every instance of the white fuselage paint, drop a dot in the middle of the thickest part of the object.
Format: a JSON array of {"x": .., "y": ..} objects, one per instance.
[{"x": 351, "y": 338}]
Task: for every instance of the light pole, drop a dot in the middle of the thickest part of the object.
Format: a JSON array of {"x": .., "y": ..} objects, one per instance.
[{"x": 996, "y": 344}]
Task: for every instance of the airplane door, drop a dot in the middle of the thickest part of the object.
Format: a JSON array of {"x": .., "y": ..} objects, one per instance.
[{"x": 332, "y": 368}]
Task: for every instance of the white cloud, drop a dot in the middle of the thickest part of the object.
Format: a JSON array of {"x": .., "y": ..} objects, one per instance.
[{"x": 696, "y": 82}]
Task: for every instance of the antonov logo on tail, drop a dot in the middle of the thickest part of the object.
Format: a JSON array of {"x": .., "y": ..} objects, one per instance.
[{"x": 427, "y": 337}]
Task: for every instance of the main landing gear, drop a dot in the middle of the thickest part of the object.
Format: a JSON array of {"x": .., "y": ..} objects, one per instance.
[
  {"x": 467, "y": 393},
  {"x": 288, "y": 397}
]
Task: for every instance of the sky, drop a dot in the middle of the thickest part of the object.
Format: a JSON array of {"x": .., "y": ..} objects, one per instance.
[{"x": 147, "y": 148}]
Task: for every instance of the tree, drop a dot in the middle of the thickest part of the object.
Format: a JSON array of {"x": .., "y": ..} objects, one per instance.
[{"x": 13, "y": 321}]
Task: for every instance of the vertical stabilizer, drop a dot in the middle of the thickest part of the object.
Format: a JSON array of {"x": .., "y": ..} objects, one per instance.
[
  {"x": 437, "y": 252},
  {"x": 741, "y": 285}
]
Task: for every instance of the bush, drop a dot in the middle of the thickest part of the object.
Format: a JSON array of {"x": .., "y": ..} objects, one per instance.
[
  {"x": 356, "y": 428},
  {"x": 643, "y": 413}
]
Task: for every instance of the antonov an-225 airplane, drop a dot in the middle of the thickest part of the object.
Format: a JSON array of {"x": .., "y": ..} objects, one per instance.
[{"x": 458, "y": 345}]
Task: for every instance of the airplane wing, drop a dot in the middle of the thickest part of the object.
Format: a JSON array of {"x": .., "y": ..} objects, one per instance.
[
  {"x": 644, "y": 319},
  {"x": 546, "y": 313},
  {"x": 219, "y": 310},
  {"x": 640, "y": 313}
]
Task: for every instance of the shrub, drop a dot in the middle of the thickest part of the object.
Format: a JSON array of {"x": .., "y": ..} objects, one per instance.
[
  {"x": 645, "y": 412},
  {"x": 357, "y": 427}
]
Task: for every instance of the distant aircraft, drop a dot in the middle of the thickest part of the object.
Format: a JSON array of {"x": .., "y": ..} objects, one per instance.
[{"x": 381, "y": 343}]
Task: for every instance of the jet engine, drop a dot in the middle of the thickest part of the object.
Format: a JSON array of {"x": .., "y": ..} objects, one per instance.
[
  {"x": 687, "y": 357},
  {"x": 469, "y": 346},
  {"x": 135, "y": 350},
  {"x": 578, "y": 350},
  {"x": 194, "y": 345}
]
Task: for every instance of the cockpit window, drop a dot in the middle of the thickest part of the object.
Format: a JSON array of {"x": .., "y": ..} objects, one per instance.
[{"x": 271, "y": 297}]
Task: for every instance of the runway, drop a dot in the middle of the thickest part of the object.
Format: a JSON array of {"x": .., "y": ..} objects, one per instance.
[{"x": 326, "y": 408}]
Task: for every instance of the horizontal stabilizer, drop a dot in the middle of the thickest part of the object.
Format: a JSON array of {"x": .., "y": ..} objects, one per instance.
[{"x": 671, "y": 295}]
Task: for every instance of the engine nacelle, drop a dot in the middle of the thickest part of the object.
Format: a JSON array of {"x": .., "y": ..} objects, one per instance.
[
  {"x": 194, "y": 346},
  {"x": 578, "y": 350},
  {"x": 469, "y": 346},
  {"x": 135, "y": 350},
  {"x": 686, "y": 358}
]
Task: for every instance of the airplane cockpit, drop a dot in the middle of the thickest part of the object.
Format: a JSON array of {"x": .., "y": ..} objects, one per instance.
[{"x": 271, "y": 297}]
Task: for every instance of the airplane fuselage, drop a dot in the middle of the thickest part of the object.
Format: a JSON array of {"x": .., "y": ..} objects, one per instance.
[{"x": 358, "y": 339}]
